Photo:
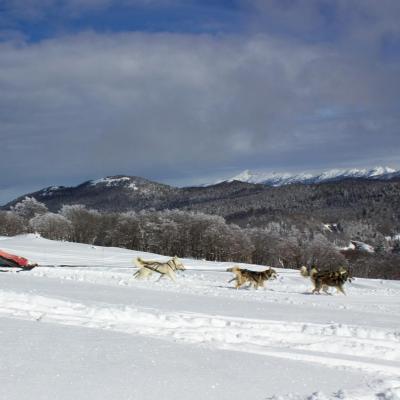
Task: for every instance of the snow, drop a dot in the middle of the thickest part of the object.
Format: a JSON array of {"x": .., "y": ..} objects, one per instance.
[
  {"x": 381, "y": 171},
  {"x": 286, "y": 178},
  {"x": 355, "y": 173},
  {"x": 111, "y": 181},
  {"x": 362, "y": 246},
  {"x": 330, "y": 227},
  {"x": 393, "y": 238},
  {"x": 95, "y": 332},
  {"x": 271, "y": 178},
  {"x": 49, "y": 191},
  {"x": 245, "y": 176}
]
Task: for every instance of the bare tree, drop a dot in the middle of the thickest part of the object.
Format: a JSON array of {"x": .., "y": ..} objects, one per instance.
[
  {"x": 28, "y": 208},
  {"x": 11, "y": 224},
  {"x": 85, "y": 223},
  {"x": 322, "y": 254},
  {"x": 52, "y": 226}
]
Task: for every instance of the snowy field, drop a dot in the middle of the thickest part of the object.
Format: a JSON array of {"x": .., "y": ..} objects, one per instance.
[{"x": 94, "y": 332}]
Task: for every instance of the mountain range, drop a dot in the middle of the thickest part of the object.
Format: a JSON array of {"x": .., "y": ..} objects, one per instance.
[
  {"x": 330, "y": 197},
  {"x": 332, "y": 175}
]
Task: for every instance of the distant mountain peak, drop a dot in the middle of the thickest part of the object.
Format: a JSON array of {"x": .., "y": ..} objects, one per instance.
[
  {"x": 118, "y": 180},
  {"x": 118, "y": 192},
  {"x": 336, "y": 174}
]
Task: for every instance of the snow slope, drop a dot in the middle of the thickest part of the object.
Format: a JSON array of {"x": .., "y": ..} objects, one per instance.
[{"x": 95, "y": 332}]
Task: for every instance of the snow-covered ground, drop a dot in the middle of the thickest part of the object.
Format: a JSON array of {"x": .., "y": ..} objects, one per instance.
[{"x": 95, "y": 332}]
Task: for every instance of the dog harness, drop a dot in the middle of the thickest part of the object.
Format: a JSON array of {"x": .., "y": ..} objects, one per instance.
[{"x": 155, "y": 267}]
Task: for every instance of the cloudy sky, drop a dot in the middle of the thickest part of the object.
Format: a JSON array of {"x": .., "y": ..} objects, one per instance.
[{"x": 188, "y": 91}]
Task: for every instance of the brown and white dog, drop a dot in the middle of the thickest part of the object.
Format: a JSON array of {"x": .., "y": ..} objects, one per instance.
[
  {"x": 255, "y": 278},
  {"x": 325, "y": 279}
]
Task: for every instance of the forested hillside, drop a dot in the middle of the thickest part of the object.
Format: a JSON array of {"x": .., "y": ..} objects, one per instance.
[
  {"x": 368, "y": 201},
  {"x": 352, "y": 223}
]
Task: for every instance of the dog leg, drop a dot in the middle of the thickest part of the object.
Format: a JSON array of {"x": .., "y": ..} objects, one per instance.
[
  {"x": 316, "y": 290},
  {"x": 172, "y": 276},
  {"x": 146, "y": 273},
  {"x": 142, "y": 273},
  {"x": 340, "y": 289},
  {"x": 238, "y": 284},
  {"x": 318, "y": 285}
]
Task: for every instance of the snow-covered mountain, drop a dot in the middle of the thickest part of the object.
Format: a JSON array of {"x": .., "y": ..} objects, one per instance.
[
  {"x": 286, "y": 178},
  {"x": 238, "y": 199},
  {"x": 117, "y": 192}
]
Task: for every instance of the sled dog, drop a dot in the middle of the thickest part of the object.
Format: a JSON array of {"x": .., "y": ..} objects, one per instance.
[
  {"x": 168, "y": 268},
  {"x": 255, "y": 278},
  {"x": 325, "y": 279}
]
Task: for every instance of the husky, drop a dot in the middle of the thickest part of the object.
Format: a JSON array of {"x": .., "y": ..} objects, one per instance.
[
  {"x": 255, "y": 278},
  {"x": 325, "y": 279},
  {"x": 168, "y": 268}
]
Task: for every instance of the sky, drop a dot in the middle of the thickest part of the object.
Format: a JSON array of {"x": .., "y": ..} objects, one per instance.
[{"x": 187, "y": 92}]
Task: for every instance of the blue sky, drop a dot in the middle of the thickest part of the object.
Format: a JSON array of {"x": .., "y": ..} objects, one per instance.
[
  {"x": 191, "y": 91},
  {"x": 304, "y": 20},
  {"x": 60, "y": 17}
]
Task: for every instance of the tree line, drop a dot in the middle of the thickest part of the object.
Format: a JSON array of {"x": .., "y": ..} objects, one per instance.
[{"x": 202, "y": 236}]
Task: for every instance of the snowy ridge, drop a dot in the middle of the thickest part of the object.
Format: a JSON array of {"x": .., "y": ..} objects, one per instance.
[
  {"x": 51, "y": 190},
  {"x": 124, "y": 181},
  {"x": 286, "y": 178}
]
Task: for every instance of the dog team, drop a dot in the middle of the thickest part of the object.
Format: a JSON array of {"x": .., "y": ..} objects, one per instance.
[{"x": 320, "y": 279}]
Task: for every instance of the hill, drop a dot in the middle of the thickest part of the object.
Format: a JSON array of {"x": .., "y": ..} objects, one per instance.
[{"x": 246, "y": 204}]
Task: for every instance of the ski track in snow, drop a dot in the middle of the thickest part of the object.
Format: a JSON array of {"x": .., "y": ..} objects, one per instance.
[
  {"x": 378, "y": 390},
  {"x": 320, "y": 343},
  {"x": 368, "y": 341},
  {"x": 289, "y": 288}
]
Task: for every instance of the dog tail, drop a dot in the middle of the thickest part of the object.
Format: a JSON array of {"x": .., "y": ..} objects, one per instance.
[
  {"x": 147, "y": 262},
  {"x": 304, "y": 272},
  {"x": 233, "y": 269}
]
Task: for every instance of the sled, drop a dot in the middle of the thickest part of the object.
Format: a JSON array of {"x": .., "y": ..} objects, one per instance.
[{"x": 12, "y": 261}]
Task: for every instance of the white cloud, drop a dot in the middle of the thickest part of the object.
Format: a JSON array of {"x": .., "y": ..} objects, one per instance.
[{"x": 159, "y": 104}]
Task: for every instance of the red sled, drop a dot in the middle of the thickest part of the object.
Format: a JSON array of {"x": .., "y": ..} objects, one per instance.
[{"x": 13, "y": 261}]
